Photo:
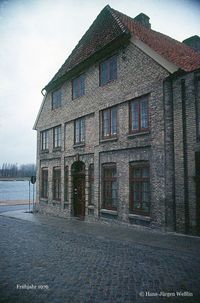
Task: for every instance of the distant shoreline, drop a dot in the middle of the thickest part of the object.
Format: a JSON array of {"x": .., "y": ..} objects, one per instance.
[
  {"x": 14, "y": 202},
  {"x": 14, "y": 179}
]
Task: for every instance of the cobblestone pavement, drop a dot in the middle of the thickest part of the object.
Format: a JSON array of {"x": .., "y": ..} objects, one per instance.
[{"x": 68, "y": 264}]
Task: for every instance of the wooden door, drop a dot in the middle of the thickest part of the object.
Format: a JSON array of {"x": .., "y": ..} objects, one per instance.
[{"x": 79, "y": 190}]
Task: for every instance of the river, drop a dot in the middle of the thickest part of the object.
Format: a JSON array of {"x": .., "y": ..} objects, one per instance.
[{"x": 15, "y": 190}]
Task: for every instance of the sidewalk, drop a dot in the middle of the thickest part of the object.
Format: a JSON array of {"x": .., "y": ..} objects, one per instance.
[{"x": 135, "y": 234}]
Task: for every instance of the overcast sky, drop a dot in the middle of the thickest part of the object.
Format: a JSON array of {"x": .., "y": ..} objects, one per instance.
[{"x": 36, "y": 37}]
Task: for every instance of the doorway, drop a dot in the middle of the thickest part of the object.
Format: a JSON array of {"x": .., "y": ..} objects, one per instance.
[{"x": 78, "y": 186}]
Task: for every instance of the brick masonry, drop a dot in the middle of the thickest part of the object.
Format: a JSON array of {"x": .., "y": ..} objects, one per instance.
[{"x": 163, "y": 146}]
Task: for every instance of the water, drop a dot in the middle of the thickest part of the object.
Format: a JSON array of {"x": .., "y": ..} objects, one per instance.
[{"x": 15, "y": 190}]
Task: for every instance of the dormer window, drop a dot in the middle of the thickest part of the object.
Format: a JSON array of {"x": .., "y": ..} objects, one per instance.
[
  {"x": 56, "y": 99},
  {"x": 108, "y": 70},
  {"x": 78, "y": 86}
]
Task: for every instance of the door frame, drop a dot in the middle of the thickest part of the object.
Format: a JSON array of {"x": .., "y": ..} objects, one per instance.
[{"x": 78, "y": 189}]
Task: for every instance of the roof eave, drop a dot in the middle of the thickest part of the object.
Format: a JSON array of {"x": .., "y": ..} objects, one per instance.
[
  {"x": 166, "y": 64},
  {"x": 38, "y": 115},
  {"x": 118, "y": 42}
]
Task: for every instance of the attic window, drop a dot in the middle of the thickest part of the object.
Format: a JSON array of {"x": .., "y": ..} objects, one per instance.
[
  {"x": 78, "y": 87},
  {"x": 108, "y": 70},
  {"x": 56, "y": 99}
]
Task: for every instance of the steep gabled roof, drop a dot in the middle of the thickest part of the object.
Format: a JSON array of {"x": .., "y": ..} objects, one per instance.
[
  {"x": 110, "y": 25},
  {"x": 103, "y": 30},
  {"x": 172, "y": 50}
]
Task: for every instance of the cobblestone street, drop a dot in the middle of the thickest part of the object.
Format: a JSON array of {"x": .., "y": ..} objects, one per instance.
[{"x": 80, "y": 262}]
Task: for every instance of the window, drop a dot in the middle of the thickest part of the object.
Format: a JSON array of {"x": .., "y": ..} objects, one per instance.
[
  {"x": 78, "y": 86},
  {"x": 109, "y": 186},
  {"x": 56, "y": 99},
  {"x": 57, "y": 137},
  {"x": 66, "y": 182},
  {"x": 91, "y": 184},
  {"x": 108, "y": 70},
  {"x": 44, "y": 140},
  {"x": 44, "y": 183},
  {"x": 79, "y": 131},
  {"x": 139, "y": 120},
  {"x": 139, "y": 189},
  {"x": 109, "y": 123},
  {"x": 56, "y": 183}
]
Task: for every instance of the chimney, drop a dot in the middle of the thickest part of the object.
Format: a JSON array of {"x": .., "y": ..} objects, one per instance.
[
  {"x": 143, "y": 19},
  {"x": 193, "y": 42}
]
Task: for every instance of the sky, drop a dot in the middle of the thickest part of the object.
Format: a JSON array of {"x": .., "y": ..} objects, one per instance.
[{"x": 37, "y": 36}]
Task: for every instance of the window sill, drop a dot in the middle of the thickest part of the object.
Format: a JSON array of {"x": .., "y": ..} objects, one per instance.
[
  {"x": 74, "y": 98},
  {"x": 112, "y": 139},
  {"x": 56, "y": 202},
  {"x": 133, "y": 135},
  {"x": 44, "y": 200},
  {"x": 140, "y": 217},
  {"x": 55, "y": 149},
  {"x": 56, "y": 108},
  {"x": 79, "y": 145},
  {"x": 108, "y": 211},
  {"x": 108, "y": 82},
  {"x": 66, "y": 205},
  {"x": 44, "y": 151}
]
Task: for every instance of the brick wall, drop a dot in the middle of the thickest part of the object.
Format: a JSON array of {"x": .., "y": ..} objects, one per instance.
[
  {"x": 138, "y": 74},
  {"x": 184, "y": 116}
]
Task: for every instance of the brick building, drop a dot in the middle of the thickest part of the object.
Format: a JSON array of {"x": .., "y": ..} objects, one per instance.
[{"x": 119, "y": 128}]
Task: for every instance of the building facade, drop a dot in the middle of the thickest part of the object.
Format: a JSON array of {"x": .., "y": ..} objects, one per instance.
[{"x": 119, "y": 127}]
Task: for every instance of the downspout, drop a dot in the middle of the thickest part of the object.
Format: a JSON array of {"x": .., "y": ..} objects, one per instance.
[
  {"x": 173, "y": 194},
  {"x": 185, "y": 158},
  {"x": 169, "y": 80}
]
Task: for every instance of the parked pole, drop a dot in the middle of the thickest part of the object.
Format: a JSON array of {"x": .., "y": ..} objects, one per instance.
[
  {"x": 33, "y": 180},
  {"x": 33, "y": 194}
]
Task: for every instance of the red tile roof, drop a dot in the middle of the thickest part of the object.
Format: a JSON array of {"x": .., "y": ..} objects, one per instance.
[
  {"x": 103, "y": 30},
  {"x": 174, "y": 51},
  {"x": 111, "y": 24}
]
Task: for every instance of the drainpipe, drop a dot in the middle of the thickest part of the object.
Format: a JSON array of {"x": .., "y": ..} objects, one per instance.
[
  {"x": 169, "y": 84},
  {"x": 185, "y": 158}
]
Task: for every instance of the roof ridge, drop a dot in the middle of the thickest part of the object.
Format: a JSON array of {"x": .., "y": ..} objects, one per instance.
[
  {"x": 177, "y": 41},
  {"x": 171, "y": 49},
  {"x": 121, "y": 25},
  {"x": 111, "y": 28},
  {"x": 109, "y": 25}
]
